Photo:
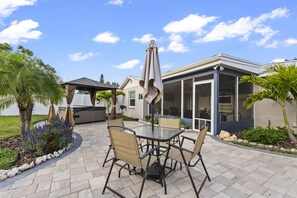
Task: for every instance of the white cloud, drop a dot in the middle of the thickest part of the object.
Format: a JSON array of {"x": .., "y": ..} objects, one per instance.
[
  {"x": 79, "y": 56},
  {"x": 286, "y": 43},
  {"x": 191, "y": 24},
  {"x": 20, "y": 32},
  {"x": 244, "y": 27},
  {"x": 278, "y": 60},
  {"x": 176, "y": 44},
  {"x": 290, "y": 41},
  {"x": 273, "y": 44},
  {"x": 128, "y": 65},
  {"x": 106, "y": 37},
  {"x": 166, "y": 66},
  {"x": 277, "y": 13},
  {"x": 116, "y": 2},
  {"x": 145, "y": 38},
  {"x": 161, "y": 49},
  {"x": 267, "y": 34},
  {"x": 7, "y": 7}
]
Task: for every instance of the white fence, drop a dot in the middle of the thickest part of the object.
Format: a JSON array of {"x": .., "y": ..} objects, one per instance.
[{"x": 78, "y": 100}]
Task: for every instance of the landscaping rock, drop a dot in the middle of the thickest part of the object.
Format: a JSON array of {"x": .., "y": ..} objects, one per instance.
[
  {"x": 224, "y": 134},
  {"x": 283, "y": 149},
  {"x": 13, "y": 172},
  {"x": 60, "y": 152},
  {"x": 240, "y": 140},
  {"x": 246, "y": 141},
  {"x": 56, "y": 154},
  {"x": 234, "y": 137},
  {"x": 3, "y": 172},
  {"x": 261, "y": 145},
  {"x": 32, "y": 164},
  {"x": 43, "y": 158},
  {"x": 3, "y": 177},
  {"x": 293, "y": 150},
  {"x": 270, "y": 146},
  {"x": 24, "y": 167},
  {"x": 227, "y": 139},
  {"x": 49, "y": 156},
  {"x": 253, "y": 143},
  {"x": 276, "y": 147},
  {"x": 38, "y": 160}
]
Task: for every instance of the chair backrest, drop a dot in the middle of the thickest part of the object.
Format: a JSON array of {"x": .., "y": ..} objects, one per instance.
[
  {"x": 115, "y": 122},
  {"x": 169, "y": 122},
  {"x": 125, "y": 146},
  {"x": 199, "y": 141}
]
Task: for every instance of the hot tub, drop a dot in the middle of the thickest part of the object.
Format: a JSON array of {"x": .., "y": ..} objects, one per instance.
[{"x": 86, "y": 114}]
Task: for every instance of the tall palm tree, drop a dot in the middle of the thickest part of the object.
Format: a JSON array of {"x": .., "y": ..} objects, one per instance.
[
  {"x": 274, "y": 89},
  {"x": 29, "y": 80},
  {"x": 107, "y": 97}
]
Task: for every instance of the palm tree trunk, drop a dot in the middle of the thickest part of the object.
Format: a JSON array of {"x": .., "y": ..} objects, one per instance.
[
  {"x": 28, "y": 117},
  {"x": 290, "y": 131},
  {"x": 23, "y": 121}
]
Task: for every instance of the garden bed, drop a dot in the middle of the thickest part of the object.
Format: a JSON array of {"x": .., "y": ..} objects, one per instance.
[{"x": 14, "y": 143}]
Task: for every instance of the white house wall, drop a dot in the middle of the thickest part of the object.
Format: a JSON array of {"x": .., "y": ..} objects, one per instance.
[{"x": 137, "y": 111}]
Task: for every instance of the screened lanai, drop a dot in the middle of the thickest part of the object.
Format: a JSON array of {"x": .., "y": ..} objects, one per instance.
[{"x": 209, "y": 91}]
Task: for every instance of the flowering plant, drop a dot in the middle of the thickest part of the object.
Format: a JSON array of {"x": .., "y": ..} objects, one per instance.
[{"x": 48, "y": 138}]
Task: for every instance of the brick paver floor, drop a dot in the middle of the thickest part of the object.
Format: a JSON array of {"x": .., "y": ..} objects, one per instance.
[{"x": 235, "y": 172}]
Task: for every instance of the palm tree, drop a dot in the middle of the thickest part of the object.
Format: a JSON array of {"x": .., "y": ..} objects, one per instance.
[
  {"x": 287, "y": 74},
  {"x": 107, "y": 97},
  {"x": 274, "y": 89},
  {"x": 29, "y": 80}
]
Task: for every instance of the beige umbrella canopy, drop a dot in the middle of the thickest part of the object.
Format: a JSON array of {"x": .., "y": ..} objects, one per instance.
[{"x": 150, "y": 79}]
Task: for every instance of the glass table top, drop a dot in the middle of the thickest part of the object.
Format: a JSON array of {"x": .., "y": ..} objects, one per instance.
[{"x": 161, "y": 134}]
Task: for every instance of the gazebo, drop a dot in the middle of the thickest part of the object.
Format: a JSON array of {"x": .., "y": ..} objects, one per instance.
[{"x": 90, "y": 85}]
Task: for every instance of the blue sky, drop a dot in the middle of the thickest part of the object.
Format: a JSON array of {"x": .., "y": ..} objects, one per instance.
[{"x": 86, "y": 38}]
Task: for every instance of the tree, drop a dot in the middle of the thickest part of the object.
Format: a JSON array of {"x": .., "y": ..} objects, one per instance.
[
  {"x": 101, "y": 80},
  {"x": 107, "y": 97},
  {"x": 287, "y": 75},
  {"x": 27, "y": 81},
  {"x": 274, "y": 88}
]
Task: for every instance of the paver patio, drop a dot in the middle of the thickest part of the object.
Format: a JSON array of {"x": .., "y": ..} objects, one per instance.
[{"x": 235, "y": 172}]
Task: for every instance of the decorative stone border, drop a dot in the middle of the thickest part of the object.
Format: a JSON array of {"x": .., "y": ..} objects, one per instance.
[
  {"x": 9, "y": 174},
  {"x": 225, "y": 136}
]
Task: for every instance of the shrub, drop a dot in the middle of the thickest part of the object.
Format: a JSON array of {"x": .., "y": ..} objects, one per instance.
[
  {"x": 266, "y": 135},
  {"x": 47, "y": 138},
  {"x": 8, "y": 158}
]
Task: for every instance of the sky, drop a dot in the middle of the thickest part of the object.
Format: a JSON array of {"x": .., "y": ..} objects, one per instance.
[{"x": 87, "y": 38}]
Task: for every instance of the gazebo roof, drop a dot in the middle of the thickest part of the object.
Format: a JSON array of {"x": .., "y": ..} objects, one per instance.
[{"x": 89, "y": 85}]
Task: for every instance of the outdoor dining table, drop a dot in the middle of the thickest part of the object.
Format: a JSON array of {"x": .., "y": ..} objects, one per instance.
[{"x": 159, "y": 134}]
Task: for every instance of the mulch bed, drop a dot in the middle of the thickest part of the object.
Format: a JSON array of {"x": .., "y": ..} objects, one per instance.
[{"x": 14, "y": 143}]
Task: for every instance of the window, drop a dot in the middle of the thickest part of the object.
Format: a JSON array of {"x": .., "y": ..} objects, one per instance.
[
  {"x": 131, "y": 98},
  {"x": 225, "y": 100}
]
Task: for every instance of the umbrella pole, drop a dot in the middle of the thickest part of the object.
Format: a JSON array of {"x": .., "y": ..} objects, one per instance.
[{"x": 153, "y": 114}]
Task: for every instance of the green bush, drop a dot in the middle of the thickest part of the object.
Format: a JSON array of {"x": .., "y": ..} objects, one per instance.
[
  {"x": 266, "y": 135},
  {"x": 7, "y": 158}
]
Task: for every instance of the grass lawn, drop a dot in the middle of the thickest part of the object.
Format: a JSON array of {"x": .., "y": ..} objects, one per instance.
[{"x": 10, "y": 125}]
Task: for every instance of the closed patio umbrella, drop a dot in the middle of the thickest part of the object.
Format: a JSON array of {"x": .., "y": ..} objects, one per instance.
[{"x": 150, "y": 79}]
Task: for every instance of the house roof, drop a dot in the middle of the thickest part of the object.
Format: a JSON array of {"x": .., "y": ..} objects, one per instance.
[
  {"x": 127, "y": 79},
  {"x": 89, "y": 85},
  {"x": 226, "y": 61}
]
